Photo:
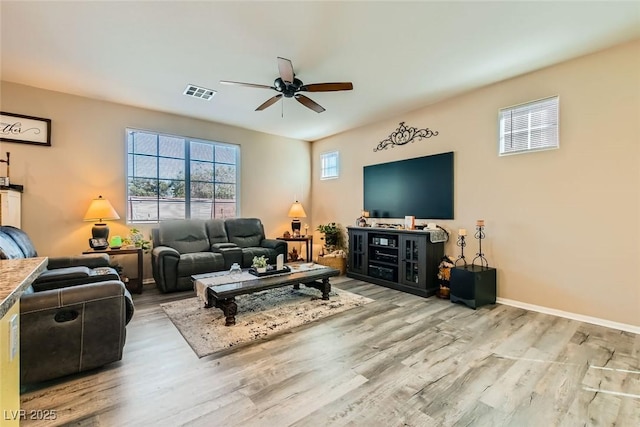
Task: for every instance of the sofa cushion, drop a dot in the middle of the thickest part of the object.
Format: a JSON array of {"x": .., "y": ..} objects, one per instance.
[
  {"x": 200, "y": 262},
  {"x": 216, "y": 231},
  {"x": 184, "y": 235},
  {"x": 245, "y": 232}
]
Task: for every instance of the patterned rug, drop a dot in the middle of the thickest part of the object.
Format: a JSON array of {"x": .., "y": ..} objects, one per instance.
[{"x": 260, "y": 316}]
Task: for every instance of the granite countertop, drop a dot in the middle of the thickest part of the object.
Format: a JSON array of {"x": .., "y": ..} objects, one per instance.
[{"x": 15, "y": 276}]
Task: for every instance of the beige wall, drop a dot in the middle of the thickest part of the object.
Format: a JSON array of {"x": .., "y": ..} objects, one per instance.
[
  {"x": 88, "y": 156},
  {"x": 562, "y": 226}
]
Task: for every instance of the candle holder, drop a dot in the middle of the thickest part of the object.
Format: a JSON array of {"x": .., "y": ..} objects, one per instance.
[
  {"x": 460, "y": 242},
  {"x": 480, "y": 236}
]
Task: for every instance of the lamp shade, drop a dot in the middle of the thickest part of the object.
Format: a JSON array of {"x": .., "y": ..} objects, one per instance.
[
  {"x": 100, "y": 210},
  {"x": 297, "y": 211}
]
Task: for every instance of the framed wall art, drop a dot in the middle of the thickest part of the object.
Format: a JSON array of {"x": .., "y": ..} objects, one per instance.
[{"x": 25, "y": 129}]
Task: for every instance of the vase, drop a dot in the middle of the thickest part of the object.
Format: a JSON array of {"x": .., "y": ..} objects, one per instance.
[{"x": 261, "y": 269}]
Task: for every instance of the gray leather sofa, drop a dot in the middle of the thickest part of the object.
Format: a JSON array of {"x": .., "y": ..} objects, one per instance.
[
  {"x": 182, "y": 248},
  {"x": 72, "y": 318}
]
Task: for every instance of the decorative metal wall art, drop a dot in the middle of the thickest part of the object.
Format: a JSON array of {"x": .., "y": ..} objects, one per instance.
[{"x": 404, "y": 135}]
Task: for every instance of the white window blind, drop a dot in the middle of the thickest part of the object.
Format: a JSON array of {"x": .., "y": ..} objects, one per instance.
[
  {"x": 529, "y": 127},
  {"x": 329, "y": 165}
]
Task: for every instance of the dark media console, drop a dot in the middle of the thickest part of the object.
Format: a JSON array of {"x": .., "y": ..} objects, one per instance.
[{"x": 405, "y": 260}]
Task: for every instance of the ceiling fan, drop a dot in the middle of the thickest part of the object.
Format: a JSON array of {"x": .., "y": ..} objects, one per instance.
[{"x": 289, "y": 86}]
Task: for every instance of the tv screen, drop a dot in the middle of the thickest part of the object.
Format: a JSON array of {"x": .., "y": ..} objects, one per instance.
[{"x": 421, "y": 187}]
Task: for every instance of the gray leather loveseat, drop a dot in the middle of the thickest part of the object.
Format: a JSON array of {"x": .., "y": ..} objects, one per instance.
[
  {"x": 182, "y": 248},
  {"x": 73, "y": 316}
]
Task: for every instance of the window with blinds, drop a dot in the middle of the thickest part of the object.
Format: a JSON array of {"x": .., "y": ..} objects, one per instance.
[
  {"x": 175, "y": 177},
  {"x": 329, "y": 165},
  {"x": 529, "y": 127}
]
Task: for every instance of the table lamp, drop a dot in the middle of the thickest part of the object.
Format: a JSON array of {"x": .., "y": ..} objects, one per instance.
[
  {"x": 296, "y": 212},
  {"x": 100, "y": 210}
]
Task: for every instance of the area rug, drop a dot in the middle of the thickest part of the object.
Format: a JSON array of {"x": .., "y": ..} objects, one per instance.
[{"x": 260, "y": 316}]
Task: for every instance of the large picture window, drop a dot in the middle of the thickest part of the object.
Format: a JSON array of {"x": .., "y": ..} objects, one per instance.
[{"x": 174, "y": 177}]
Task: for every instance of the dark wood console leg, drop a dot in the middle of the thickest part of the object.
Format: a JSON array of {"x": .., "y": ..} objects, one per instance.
[
  {"x": 296, "y": 286},
  {"x": 230, "y": 309}
]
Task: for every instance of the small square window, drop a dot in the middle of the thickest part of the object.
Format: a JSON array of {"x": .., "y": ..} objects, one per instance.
[
  {"x": 329, "y": 165},
  {"x": 529, "y": 127}
]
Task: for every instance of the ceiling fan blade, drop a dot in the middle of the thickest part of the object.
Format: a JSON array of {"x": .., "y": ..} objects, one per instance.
[
  {"x": 285, "y": 67},
  {"x": 309, "y": 103},
  {"x": 269, "y": 102},
  {"x": 227, "y": 82},
  {"x": 327, "y": 87}
]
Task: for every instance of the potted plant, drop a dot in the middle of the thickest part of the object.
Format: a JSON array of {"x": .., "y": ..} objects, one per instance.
[
  {"x": 332, "y": 236},
  {"x": 260, "y": 263},
  {"x": 136, "y": 238},
  {"x": 333, "y": 254}
]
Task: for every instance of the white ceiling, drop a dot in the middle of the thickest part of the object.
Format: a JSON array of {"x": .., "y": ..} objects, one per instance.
[{"x": 400, "y": 56}]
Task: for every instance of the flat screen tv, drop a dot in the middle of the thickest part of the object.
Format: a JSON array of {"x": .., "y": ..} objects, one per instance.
[{"x": 421, "y": 187}]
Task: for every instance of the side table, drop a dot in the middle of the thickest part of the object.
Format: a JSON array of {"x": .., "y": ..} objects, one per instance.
[
  {"x": 308, "y": 241},
  {"x": 473, "y": 285},
  {"x": 135, "y": 284}
]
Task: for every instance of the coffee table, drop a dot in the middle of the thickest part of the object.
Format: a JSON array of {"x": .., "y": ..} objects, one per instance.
[{"x": 223, "y": 295}]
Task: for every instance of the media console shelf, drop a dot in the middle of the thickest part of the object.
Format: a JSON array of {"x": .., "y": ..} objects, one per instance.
[{"x": 405, "y": 260}]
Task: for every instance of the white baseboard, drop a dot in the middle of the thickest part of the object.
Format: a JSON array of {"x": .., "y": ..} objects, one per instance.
[{"x": 573, "y": 316}]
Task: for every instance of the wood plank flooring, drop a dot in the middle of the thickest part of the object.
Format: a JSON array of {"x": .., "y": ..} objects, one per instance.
[{"x": 402, "y": 360}]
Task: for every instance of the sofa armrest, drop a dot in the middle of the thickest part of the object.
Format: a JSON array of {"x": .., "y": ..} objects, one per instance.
[
  {"x": 231, "y": 252},
  {"x": 216, "y": 247},
  {"x": 162, "y": 251},
  {"x": 164, "y": 266},
  {"x": 89, "y": 260},
  {"x": 274, "y": 244}
]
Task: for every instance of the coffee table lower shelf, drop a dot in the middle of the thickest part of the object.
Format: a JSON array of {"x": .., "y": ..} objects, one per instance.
[{"x": 223, "y": 296}]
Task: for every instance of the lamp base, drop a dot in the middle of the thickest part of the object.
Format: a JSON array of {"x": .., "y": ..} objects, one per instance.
[
  {"x": 100, "y": 231},
  {"x": 295, "y": 227}
]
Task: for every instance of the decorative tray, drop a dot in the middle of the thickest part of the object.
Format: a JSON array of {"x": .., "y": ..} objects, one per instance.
[{"x": 271, "y": 271}]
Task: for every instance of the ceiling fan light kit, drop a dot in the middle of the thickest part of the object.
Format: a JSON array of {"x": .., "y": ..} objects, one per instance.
[{"x": 289, "y": 86}]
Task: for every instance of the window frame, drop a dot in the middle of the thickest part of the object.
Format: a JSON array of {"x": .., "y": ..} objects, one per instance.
[
  {"x": 187, "y": 181},
  {"x": 328, "y": 155},
  {"x": 530, "y": 108}
]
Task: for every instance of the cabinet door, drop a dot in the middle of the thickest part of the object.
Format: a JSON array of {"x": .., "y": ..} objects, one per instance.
[
  {"x": 10, "y": 208},
  {"x": 357, "y": 252},
  {"x": 412, "y": 265}
]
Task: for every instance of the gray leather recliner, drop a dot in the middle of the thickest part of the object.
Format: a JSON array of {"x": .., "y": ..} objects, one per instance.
[{"x": 72, "y": 318}]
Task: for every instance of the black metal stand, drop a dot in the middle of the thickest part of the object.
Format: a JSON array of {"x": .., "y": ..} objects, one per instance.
[
  {"x": 460, "y": 242},
  {"x": 480, "y": 235}
]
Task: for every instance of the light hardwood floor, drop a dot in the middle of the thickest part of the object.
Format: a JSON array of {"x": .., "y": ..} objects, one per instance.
[{"x": 399, "y": 361}]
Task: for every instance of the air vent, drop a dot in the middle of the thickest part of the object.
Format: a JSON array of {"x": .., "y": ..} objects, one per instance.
[{"x": 199, "y": 92}]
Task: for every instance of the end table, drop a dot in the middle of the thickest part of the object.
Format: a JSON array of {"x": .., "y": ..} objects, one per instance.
[
  {"x": 135, "y": 284},
  {"x": 308, "y": 241},
  {"x": 473, "y": 285}
]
